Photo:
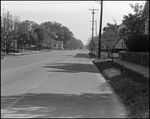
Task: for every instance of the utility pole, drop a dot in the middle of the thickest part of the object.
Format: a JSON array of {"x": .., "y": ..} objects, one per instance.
[
  {"x": 96, "y": 28},
  {"x": 49, "y": 43},
  {"x": 99, "y": 48},
  {"x": 93, "y": 23}
]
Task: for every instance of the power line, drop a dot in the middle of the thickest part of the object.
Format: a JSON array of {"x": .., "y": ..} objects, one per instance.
[
  {"x": 110, "y": 14},
  {"x": 42, "y": 3},
  {"x": 32, "y": 3},
  {"x": 107, "y": 11}
]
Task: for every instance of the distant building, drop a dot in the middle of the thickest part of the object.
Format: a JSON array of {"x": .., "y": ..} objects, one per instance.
[
  {"x": 56, "y": 44},
  {"x": 53, "y": 44},
  {"x": 121, "y": 43},
  {"x": 145, "y": 13}
]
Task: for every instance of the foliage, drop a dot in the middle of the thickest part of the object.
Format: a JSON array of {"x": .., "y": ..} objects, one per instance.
[
  {"x": 92, "y": 55},
  {"x": 93, "y": 45},
  {"x": 112, "y": 26},
  {"x": 134, "y": 25},
  {"x": 74, "y": 44},
  {"x": 9, "y": 31},
  {"x": 137, "y": 8},
  {"x": 40, "y": 36},
  {"x": 67, "y": 35},
  {"x": 57, "y": 32},
  {"x": 138, "y": 43},
  {"x": 26, "y": 34},
  {"x": 29, "y": 33}
]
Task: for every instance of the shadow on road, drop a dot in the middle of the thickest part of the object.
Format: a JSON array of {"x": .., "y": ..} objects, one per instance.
[
  {"x": 81, "y": 55},
  {"x": 71, "y": 67},
  {"x": 59, "y": 105}
]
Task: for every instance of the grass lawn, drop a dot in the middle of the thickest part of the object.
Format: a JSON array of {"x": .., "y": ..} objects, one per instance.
[{"x": 132, "y": 87}]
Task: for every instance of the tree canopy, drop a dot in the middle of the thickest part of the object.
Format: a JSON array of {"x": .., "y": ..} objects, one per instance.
[
  {"x": 29, "y": 33},
  {"x": 9, "y": 29},
  {"x": 134, "y": 25}
]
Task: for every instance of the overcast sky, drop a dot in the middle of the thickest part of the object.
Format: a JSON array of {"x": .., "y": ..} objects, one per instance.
[{"x": 73, "y": 14}]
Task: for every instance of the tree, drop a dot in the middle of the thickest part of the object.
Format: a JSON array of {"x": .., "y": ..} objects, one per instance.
[
  {"x": 139, "y": 43},
  {"x": 67, "y": 35},
  {"x": 27, "y": 33},
  {"x": 74, "y": 43},
  {"x": 22, "y": 35},
  {"x": 40, "y": 34},
  {"x": 113, "y": 26},
  {"x": 134, "y": 25},
  {"x": 9, "y": 30},
  {"x": 137, "y": 8},
  {"x": 57, "y": 32},
  {"x": 92, "y": 45},
  {"x": 47, "y": 31}
]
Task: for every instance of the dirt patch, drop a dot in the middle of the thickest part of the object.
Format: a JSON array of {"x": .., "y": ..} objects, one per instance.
[{"x": 111, "y": 72}]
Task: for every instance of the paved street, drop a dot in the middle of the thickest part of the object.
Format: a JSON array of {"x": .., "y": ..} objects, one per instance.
[{"x": 56, "y": 84}]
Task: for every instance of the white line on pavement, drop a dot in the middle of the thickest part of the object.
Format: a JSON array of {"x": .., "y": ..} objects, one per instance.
[{"x": 3, "y": 111}]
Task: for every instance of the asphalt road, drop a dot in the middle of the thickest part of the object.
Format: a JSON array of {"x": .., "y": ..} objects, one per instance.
[{"x": 56, "y": 84}]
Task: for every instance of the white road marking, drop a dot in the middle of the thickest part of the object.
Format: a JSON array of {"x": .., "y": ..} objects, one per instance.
[
  {"x": 3, "y": 111},
  {"x": 13, "y": 103},
  {"x": 43, "y": 80}
]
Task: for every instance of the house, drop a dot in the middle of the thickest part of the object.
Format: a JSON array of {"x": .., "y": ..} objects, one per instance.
[
  {"x": 56, "y": 44},
  {"x": 53, "y": 44},
  {"x": 145, "y": 13},
  {"x": 120, "y": 45}
]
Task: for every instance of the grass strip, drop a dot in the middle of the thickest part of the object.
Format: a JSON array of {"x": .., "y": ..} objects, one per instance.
[{"x": 132, "y": 87}]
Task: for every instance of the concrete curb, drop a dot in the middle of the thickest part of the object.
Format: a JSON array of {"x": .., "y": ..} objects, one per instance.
[
  {"x": 29, "y": 53},
  {"x": 21, "y": 54}
]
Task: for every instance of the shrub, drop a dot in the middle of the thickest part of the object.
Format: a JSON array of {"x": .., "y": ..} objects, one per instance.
[
  {"x": 138, "y": 43},
  {"x": 91, "y": 55}
]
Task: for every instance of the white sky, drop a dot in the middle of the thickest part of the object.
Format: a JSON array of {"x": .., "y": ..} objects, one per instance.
[{"x": 73, "y": 14}]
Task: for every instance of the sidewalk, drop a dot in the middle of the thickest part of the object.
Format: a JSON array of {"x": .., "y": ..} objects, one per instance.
[
  {"x": 3, "y": 55},
  {"x": 135, "y": 67},
  {"x": 29, "y": 52}
]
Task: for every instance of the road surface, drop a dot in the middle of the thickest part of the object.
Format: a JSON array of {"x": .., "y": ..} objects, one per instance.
[{"x": 56, "y": 84}]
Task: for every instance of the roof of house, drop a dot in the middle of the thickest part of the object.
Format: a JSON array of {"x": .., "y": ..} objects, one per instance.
[
  {"x": 46, "y": 41},
  {"x": 54, "y": 41},
  {"x": 145, "y": 10}
]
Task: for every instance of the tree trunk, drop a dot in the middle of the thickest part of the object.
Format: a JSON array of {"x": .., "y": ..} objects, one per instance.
[
  {"x": 39, "y": 47},
  {"x": 7, "y": 50}
]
